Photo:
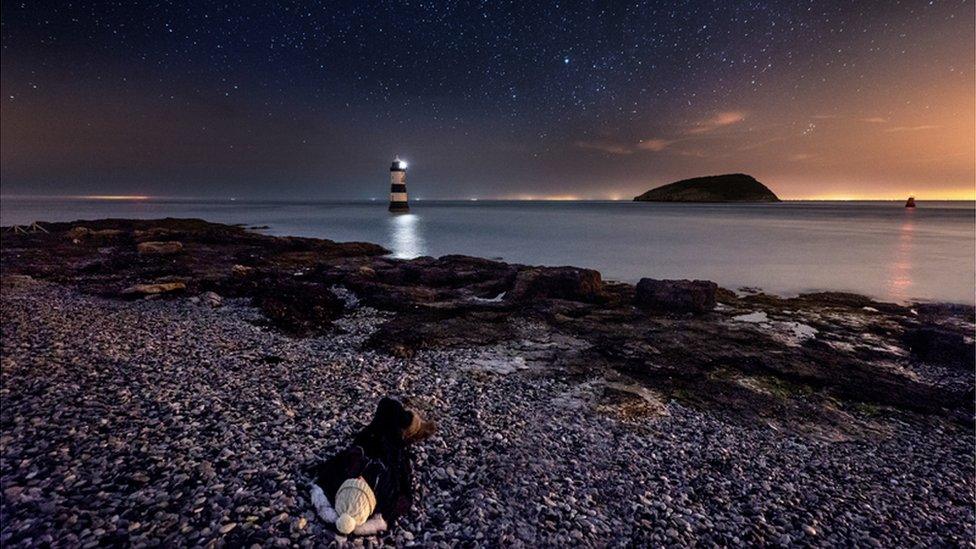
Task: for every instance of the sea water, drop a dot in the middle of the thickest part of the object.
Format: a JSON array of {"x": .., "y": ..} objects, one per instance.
[{"x": 881, "y": 249}]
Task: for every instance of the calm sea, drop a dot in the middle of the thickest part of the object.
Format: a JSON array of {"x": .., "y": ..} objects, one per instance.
[{"x": 876, "y": 248}]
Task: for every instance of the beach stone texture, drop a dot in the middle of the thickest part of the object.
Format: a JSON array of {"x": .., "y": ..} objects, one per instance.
[{"x": 568, "y": 416}]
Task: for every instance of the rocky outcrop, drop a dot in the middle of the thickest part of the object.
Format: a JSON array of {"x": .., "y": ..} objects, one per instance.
[
  {"x": 80, "y": 233},
  {"x": 676, "y": 296},
  {"x": 757, "y": 356},
  {"x": 938, "y": 345},
  {"x": 734, "y": 187},
  {"x": 298, "y": 307},
  {"x": 160, "y": 248},
  {"x": 567, "y": 283}
]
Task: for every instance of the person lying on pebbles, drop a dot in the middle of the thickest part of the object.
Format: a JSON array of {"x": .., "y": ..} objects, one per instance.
[{"x": 369, "y": 484}]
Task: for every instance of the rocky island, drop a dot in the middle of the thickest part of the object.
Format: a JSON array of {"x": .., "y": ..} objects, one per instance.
[
  {"x": 733, "y": 187},
  {"x": 169, "y": 381}
]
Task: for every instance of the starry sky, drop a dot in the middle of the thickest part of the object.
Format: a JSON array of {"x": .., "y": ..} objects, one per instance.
[{"x": 590, "y": 100}]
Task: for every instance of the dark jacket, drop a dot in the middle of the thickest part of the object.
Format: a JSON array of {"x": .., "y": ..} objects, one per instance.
[{"x": 381, "y": 456}]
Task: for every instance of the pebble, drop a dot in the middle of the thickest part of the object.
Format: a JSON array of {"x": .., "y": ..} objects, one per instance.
[{"x": 164, "y": 422}]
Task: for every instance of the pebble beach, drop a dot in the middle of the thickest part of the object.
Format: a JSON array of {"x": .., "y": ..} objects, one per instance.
[{"x": 183, "y": 422}]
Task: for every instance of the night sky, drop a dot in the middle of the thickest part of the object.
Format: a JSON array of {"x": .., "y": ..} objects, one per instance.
[{"x": 524, "y": 99}]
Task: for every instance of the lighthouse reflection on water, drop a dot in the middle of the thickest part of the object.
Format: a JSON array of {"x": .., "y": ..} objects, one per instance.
[{"x": 404, "y": 238}]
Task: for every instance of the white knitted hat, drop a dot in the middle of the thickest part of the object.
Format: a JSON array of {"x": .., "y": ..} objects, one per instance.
[{"x": 354, "y": 503}]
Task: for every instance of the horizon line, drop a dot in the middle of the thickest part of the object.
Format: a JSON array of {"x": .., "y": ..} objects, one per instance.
[{"x": 140, "y": 197}]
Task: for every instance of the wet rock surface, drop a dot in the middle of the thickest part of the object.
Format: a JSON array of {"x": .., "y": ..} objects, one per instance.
[
  {"x": 557, "y": 283},
  {"x": 160, "y": 248},
  {"x": 676, "y": 296},
  {"x": 187, "y": 419}
]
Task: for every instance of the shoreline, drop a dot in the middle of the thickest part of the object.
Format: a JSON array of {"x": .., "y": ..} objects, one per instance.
[
  {"x": 883, "y": 253},
  {"x": 199, "y": 378}
]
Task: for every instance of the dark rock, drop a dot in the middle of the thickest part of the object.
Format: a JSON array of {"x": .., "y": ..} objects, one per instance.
[
  {"x": 298, "y": 307},
  {"x": 392, "y": 297},
  {"x": 844, "y": 300},
  {"x": 409, "y": 332},
  {"x": 567, "y": 283},
  {"x": 84, "y": 234},
  {"x": 211, "y": 298},
  {"x": 941, "y": 310},
  {"x": 154, "y": 289},
  {"x": 156, "y": 233},
  {"x": 241, "y": 271},
  {"x": 938, "y": 345},
  {"x": 159, "y": 248},
  {"x": 78, "y": 233},
  {"x": 680, "y": 296}
]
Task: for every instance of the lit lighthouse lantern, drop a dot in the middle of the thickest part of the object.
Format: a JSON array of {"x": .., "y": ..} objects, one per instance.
[{"x": 398, "y": 186}]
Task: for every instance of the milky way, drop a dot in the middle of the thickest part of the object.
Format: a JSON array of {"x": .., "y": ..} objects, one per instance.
[{"x": 494, "y": 99}]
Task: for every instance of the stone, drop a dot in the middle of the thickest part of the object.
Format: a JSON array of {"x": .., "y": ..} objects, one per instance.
[
  {"x": 298, "y": 307},
  {"x": 679, "y": 296},
  {"x": 154, "y": 233},
  {"x": 160, "y": 248},
  {"x": 569, "y": 283},
  {"x": 79, "y": 233},
  {"x": 937, "y": 345},
  {"x": 212, "y": 298},
  {"x": 154, "y": 289}
]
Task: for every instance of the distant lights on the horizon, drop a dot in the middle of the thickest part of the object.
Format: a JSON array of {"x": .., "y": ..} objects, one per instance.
[{"x": 115, "y": 197}]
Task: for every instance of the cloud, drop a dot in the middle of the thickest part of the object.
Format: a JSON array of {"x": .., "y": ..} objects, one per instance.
[
  {"x": 605, "y": 146},
  {"x": 721, "y": 119},
  {"x": 655, "y": 145},
  {"x": 759, "y": 144},
  {"x": 912, "y": 128},
  {"x": 799, "y": 157},
  {"x": 875, "y": 120},
  {"x": 610, "y": 147}
]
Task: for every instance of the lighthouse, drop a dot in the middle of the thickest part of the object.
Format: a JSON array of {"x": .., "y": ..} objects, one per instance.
[{"x": 398, "y": 186}]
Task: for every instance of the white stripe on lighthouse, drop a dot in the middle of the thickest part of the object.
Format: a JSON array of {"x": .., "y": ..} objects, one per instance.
[{"x": 398, "y": 197}]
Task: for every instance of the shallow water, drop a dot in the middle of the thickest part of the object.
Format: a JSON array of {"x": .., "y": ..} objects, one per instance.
[{"x": 876, "y": 248}]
